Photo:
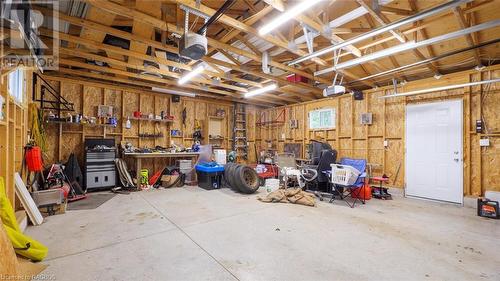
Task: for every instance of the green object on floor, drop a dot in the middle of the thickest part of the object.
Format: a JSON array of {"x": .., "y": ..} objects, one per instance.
[
  {"x": 23, "y": 244},
  {"x": 144, "y": 177}
]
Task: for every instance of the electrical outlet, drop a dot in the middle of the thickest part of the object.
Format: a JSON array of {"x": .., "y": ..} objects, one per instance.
[
  {"x": 484, "y": 142},
  {"x": 283, "y": 136},
  {"x": 386, "y": 143}
]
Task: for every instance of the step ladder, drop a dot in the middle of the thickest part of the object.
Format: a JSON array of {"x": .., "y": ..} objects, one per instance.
[{"x": 240, "y": 145}]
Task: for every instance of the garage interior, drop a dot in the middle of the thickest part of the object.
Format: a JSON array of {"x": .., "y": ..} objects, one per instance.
[{"x": 216, "y": 140}]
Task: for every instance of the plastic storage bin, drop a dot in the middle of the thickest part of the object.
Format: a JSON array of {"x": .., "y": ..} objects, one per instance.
[
  {"x": 209, "y": 175},
  {"x": 344, "y": 174}
]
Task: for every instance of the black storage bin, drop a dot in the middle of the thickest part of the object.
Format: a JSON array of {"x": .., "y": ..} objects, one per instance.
[{"x": 209, "y": 180}]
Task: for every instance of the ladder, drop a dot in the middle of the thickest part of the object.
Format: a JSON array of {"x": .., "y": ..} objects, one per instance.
[{"x": 240, "y": 145}]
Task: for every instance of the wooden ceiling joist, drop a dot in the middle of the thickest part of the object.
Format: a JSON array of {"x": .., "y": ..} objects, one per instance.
[
  {"x": 165, "y": 82},
  {"x": 129, "y": 36}
]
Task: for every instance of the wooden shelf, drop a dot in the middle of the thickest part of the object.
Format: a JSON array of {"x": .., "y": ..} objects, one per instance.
[
  {"x": 217, "y": 117},
  {"x": 152, "y": 120},
  {"x": 84, "y": 124}
]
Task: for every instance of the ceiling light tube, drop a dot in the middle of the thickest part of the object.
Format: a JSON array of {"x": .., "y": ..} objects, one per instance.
[
  {"x": 383, "y": 29},
  {"x": 370, "y": 57},
  {"x": 261, "y": 90},
  {"x": 444, "y": 88},
  {"x": 409, "y": 46},
  {"x": 287, "y": 15},
  {"x": 197, "y": 70},
  {"x": 418, "y": 63},
  {"x": 173, "y": 92}
]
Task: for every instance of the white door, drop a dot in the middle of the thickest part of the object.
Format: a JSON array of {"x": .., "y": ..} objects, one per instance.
[{"x": 434, "y": 166}]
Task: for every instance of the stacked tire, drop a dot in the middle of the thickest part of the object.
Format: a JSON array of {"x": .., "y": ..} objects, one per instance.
[{"x": 241, "y": 178}]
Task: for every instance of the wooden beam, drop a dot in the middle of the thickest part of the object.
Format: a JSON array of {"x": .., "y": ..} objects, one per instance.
[
  {"x": 319, "y": 28},
  {"x": 229, "y": 56},
  {"x": 145, "y": 87},
  {"x": 251, "y": 46},
  {"x": 245, "y": 28},
  {"x": 459, "y": 14},
  {"x": 161, "y": 61},
  {"x": 165, "y": 82},
  {"x": 381, "y": 19},
  {"x": 158, "y": 45},
  {"x": 140, "y": 68},
  {"x": 314, "y": 91},
  {"x": 396, "y": 11},
  {"x": 277, "y": 4},
  {"x": 344, "y": 30}
]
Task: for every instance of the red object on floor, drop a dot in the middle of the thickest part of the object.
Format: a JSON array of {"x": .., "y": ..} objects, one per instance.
[
  {"x": 295, "y": 78},
  {"x": 34, "y": 159},
  {"x": 154, "y": 178},
  {"x": 272, "y": 171},
  {"x": 380, "y": 179},
  {"x": 364, "y": 192}
]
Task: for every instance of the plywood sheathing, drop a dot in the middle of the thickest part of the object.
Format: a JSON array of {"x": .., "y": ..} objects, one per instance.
[
  {"x": 65, "y": 139},
  {"x": 351, "y": 139}
]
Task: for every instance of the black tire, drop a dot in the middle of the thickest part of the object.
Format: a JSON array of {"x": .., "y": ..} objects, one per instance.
[
  {"x": 247, "y": 180},
  {"x": 231, "y": 176},
  {"x": 227, "y": 174}
]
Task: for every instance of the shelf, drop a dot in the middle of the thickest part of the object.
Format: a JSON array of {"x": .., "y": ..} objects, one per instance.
[
  {"x": 177, "y": 137},
  {"x": 152, "y": 120},
  {"x": 217, "y": 117},
  {"x": 85, "y": 124}
]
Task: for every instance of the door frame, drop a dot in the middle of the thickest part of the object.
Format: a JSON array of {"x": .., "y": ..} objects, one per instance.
[{"x": 461, "y": 147}]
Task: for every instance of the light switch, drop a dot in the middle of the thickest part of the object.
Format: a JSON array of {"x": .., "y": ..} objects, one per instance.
[{"x": 386, "y": 143}]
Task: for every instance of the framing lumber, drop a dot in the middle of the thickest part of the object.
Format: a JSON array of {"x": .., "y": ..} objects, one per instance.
[
  {"x": 468, "y": 37},
  {"x": 152, "y": 43}
]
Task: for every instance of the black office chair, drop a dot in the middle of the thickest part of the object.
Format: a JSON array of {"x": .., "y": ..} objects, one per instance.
[
  {"x": 315, "y": 148},
  {"x": 322, "y": 156}
]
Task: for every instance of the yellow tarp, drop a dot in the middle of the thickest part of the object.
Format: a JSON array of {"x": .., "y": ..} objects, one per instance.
[{"x": 23, "y": 244}]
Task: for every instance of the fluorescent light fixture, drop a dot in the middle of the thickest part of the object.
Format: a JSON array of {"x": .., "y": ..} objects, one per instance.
[
  {"x": 370, "y": 57},
  {"x": 173, "y": 92},
  {"x": 197, "y": 70},
  {"x": 410, "y": 45},
  {"x": 261, "y": 90},
  {"x": 411, "y": 19},
  {"x": 287, "y": 15},
  {"x": 444, "y": 88}
]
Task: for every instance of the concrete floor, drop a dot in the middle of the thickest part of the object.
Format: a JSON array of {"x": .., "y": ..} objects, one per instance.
[{"x": 193, "y": 234}]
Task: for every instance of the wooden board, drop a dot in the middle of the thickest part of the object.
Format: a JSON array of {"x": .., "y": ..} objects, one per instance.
[{"x": 27, "y": 201}]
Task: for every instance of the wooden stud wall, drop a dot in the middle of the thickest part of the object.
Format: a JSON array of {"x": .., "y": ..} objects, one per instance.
[
  {"x": 13, "y": 134},
  {"x": 63, "y": 139},
  {"x": 351, "y": 139}
]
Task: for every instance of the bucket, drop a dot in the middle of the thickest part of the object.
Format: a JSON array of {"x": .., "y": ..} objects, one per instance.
[
  {"x": 272, "y": 185},
  {"x": 34, "y": 159}
]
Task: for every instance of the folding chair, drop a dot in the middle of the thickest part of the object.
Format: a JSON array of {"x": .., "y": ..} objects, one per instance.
[
  {"x": 345, "y": 186},
  {"x": 288, "y": 170}
]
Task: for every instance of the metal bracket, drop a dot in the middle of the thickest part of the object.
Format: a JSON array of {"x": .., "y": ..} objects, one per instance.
[
  {"x": 194, "y": 12},
  {"x": 395, "y": 85},
  {"x": 309, "y": 34}
]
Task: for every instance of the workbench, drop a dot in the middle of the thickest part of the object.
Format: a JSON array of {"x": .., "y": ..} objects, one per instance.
[{"x": 139, "y": 156}]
